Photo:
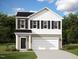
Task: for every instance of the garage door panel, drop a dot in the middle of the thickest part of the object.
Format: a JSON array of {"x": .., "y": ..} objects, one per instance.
[
  {"x": 46, "y": 38},
  {"x": 42, "y": 43}
]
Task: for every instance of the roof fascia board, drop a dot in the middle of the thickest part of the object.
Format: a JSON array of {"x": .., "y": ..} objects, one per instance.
[
  {"x": 37, "y": 12},
  {"x": 20, "y": 17},
  {"x": 47, "y": 10}
]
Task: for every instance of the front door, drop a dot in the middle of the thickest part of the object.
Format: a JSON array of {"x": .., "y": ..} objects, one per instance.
[{"x": 23, "y": 43}]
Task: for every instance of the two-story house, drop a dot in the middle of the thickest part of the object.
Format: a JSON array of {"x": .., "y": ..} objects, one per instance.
[{"x": 38, "y": 31}]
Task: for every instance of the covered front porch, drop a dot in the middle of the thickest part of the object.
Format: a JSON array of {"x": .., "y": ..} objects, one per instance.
[{"x": 23, "y": 42}]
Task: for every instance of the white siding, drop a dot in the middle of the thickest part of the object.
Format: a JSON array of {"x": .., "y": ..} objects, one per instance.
[
  {"x": 47, "y": 15},
  {"x": 18, "y": 42},
  {"x": 46, "y": 31}
]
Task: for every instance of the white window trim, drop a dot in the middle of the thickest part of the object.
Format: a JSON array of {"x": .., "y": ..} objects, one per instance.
[
  {"x": 45, "y": 24},
  {"x": 40, "y": 24},
  {"x": 50, "y": 24},
  {"x": 24, "y": 24},
  {"x": 34, "y": 24},
  {"x": 56, "y": 25}
]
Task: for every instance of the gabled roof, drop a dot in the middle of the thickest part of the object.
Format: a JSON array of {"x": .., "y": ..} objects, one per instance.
[
  {"x": 24, "y": 14},
  {"x": 47, "y": 10},
  {"x": 31, "y": 14}
]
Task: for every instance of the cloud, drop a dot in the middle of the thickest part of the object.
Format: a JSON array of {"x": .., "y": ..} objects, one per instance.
[
  {"x": 32, "y": 11},
  {"x": 50, "y": 1},
  {"x": 19, "y": 9},
  {"x": 67, "y": 6},
  {"x": 15, "y": 10}
]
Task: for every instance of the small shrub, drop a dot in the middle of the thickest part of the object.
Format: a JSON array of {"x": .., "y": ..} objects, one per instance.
[
  {"x": 10, "y": 48},
  {"x": 70, "y": 46},
  {"x": 30, "y": 50}
]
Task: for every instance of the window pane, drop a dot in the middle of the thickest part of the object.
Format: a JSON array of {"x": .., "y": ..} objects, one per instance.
[
  {"x": 22, "y": 26},
  {"x": 34, "y": 24},
  {"x": 44, "y": 24},
  {"x": 22, "y": 23},
  {"x": 55, "y": 24}
]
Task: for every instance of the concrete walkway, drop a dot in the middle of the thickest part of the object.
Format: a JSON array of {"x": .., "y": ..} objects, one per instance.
[{"x": 55, "y": 54}]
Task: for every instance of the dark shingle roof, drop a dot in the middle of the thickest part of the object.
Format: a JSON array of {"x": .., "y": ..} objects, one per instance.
[
  {"x": 24, "y": 14},
  {"x": 25, "y": 31}
]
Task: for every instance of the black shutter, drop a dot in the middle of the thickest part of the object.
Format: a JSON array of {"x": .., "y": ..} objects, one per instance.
[
  {"x": 38, "y": 24},
  {"x": 31, "y": 24},
  {"x": 26, "y": 24},
  {"x": 18, "y": 23},
  {"x": 52, "y": 24},
  {"x": 48, "y": 24},
  {"x": 41, "y": 24},
  {"x": 58, "y": 24}
]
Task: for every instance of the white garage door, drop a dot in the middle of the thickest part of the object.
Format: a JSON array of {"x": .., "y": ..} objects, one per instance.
[{"x": 45, "y": 43}]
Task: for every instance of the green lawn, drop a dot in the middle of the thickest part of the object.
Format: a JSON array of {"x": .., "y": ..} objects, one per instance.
[
  {"x": 14, "y": 54},
  {"x": 74, "y": 51},
  {"x": 18, "y": 55},
  {"x": 72, "y": 48}
]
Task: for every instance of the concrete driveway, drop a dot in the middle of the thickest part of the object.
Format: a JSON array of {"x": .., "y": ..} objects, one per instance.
[{"x": 54, "y": 54}]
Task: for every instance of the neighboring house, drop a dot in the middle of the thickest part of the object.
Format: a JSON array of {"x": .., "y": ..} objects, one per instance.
[{"x": 39, "y": 31}]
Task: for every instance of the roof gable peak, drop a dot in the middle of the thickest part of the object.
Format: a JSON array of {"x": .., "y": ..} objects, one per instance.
[{"x": 47, "y": 9}]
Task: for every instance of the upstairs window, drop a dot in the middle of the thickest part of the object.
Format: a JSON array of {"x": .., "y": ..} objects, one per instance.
[
  {"x": 44, "y": 24},
  {"x": 22, "y": 24},
  {"x": 55, "y": 24},
  {"x": 34, "y": 24}
]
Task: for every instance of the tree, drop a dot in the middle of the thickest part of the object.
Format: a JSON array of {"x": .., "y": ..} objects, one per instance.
[
  {"x": 70, "y": 29},
  {"x": 7, "y": 28}
]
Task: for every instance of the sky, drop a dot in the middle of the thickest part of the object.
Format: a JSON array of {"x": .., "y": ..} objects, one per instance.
[{"x": 61, "y": 7}]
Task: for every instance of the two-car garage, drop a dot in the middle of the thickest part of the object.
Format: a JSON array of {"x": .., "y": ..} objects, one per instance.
[{"x": 45, "y": 43}]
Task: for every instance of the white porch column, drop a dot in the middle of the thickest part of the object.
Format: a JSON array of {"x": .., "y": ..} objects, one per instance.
[
  {"x": 17, "y": 42},
  {"x": 61, "y": 41},
  {"x": 61, "y": 32},
  {"x": 30, "y": 43}
]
